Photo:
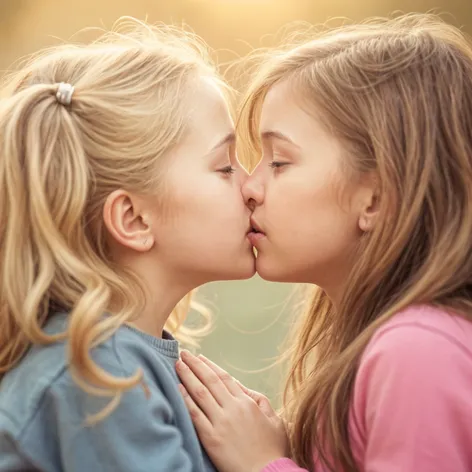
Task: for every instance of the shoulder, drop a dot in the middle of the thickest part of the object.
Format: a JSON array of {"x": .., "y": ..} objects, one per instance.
[
  {"x": 43, "y": 380},
  {"x": 413, "y": 384},
  {"x": 422, "y": 329},
  {"x": 420, "y": 348}
]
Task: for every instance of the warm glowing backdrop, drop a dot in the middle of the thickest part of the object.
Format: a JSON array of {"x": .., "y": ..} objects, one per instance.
[{"x": 231, "y": 27}]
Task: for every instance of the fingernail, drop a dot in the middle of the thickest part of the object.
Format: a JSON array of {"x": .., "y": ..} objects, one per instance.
[
  {"x": 186, "y": 354},
  {"x": 183, "y": 390},
  {"x": 180, "y": 365}
]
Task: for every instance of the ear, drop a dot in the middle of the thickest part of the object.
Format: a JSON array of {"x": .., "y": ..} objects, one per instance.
[
  {"x": 370, "y": 204},
  {"x": 126, "y": 223}
]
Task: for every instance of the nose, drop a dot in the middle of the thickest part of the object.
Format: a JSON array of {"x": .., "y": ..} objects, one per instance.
[{"x": 253, "y": 191}]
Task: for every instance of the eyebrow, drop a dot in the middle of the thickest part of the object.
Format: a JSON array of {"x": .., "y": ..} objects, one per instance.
[
  {"x": 230, "y": 138},
  {"x": 271, "y": 134}
]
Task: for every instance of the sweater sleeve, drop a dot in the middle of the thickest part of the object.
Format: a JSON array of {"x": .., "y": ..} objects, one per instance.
[
  {"x": 139, "y": 435},
  {"x": 413, "y": 394}
]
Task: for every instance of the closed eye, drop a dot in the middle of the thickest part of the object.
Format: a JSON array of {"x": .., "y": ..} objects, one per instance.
[
  {"x": 228, "y": 170},
  {"x": 277, "y": 164}
]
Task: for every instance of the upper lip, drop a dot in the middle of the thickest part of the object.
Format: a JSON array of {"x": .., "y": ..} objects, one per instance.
[{"x": 255, "y": 227}]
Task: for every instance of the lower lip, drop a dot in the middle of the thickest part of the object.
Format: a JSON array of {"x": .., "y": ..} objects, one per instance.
[{"x": 255, "y": 238}]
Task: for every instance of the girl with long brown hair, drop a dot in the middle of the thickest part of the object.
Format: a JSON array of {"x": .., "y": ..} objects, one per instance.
[{"x": 364, "y": 188}]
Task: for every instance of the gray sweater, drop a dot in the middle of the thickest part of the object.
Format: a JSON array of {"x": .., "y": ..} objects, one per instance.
[{"x": 42, "y": 412}]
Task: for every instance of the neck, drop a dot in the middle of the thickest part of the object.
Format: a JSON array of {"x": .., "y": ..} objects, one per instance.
[
  {"x": 335, "y": 281},
  {"x": 334, "y": 293},
  {"x": 162, "y": 293},
  {"x": 158, "y": 308}
]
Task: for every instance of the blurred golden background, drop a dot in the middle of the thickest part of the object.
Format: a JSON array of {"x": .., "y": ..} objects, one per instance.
[{"x": 251, "y": 316}]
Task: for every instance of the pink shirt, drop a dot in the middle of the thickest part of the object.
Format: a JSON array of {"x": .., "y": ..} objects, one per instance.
[{"x": 412, "y": 403}]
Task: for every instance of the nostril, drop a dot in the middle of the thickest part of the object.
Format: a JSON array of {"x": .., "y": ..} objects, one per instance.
[{"x": 251, "y": 204}]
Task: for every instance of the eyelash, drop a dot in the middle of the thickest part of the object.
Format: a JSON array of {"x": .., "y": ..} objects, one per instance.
[
  {"x": 277, "y": 164},
  {"x": 228, "y": 170}
]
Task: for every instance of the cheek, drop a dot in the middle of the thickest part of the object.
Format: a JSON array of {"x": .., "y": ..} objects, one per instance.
[
  {"x": 310, "y": 240},
  {"x": 227, "y": 209},
  {"x": 290, "y": 201},
  {"x": 174, "y": 194},
  {"x": 309, "y": 211},
  {"x": 207, "y": 206}
]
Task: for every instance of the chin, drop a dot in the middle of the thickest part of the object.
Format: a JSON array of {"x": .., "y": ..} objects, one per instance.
[
  {"x": 240, "y": 269},
  {"x": 244, "y": 270},
  {"x": 273, "y": 273},
  {"x": 249, "y": 272}
]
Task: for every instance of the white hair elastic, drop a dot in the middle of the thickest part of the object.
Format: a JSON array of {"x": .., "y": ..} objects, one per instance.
[{"x": 64, "y": 93}]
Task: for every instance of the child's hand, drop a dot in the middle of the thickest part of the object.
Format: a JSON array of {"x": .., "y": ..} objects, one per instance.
[{"x": 238, "y": 428}]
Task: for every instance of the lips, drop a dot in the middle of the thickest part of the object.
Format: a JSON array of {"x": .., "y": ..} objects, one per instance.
[
  {"x": 256, "y": 235},
  {"x": 255, "y": 228}
]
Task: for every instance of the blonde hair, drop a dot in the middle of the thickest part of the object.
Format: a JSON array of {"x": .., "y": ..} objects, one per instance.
[
  {"x": 60, "y": 162},
  {"x": 398, "y": 94}
]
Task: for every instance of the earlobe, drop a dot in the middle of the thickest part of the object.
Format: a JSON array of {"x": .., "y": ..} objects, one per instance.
[
  {"x": 365, "y": 224},
  {"x": 148, "y": 242},
  {"x": 125, "y": 222}
]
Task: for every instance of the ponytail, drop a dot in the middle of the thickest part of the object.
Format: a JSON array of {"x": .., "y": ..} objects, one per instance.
[{"x": 45, "y": 187}]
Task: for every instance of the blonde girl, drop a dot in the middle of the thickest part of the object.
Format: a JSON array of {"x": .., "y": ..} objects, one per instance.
[{"x": 120, "y": 192}]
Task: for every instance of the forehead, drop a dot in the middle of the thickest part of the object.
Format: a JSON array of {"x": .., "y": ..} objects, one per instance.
[
  {"x": 282, "y": 110},
  {"x": 280, "y": 107},
  {"x": 207, "y": 121},
  {"x": 208, "y": 108}
]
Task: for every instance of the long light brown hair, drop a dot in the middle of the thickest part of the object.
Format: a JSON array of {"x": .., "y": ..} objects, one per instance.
[
  {"x": 57, "y": 166},
  {"x": 398, "y": 94}
]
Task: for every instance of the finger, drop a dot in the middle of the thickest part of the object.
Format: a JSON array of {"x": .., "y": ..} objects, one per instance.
[
  {"x": 243, "y": 387},
  {"x": 200, "y": 421},
  {"x": 199, "y": 393},
  {"x": 263, "y": 403},
  {"x": 208, "y": 378},
  {"x": 234, "y": 386}
]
